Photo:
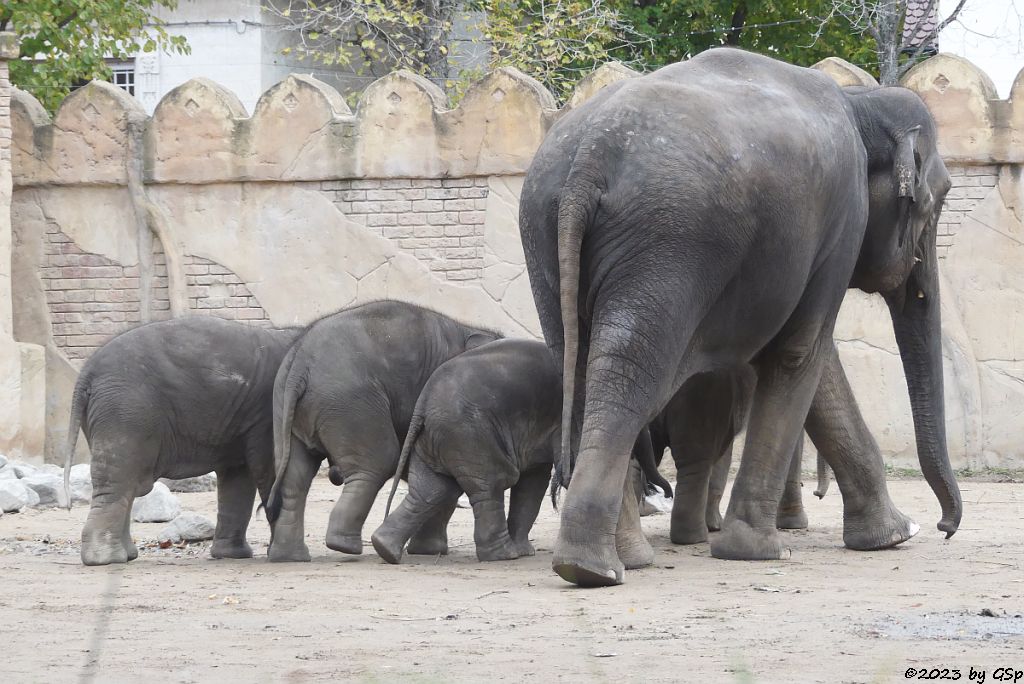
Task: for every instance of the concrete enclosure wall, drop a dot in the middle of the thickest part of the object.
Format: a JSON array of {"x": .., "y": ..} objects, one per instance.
[{"x": 304, "y": 207}]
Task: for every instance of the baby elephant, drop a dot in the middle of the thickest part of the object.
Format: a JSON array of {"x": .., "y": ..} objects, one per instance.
[
  {"x": 487, "y": 420},
  {"x": 177, "y": 399}
]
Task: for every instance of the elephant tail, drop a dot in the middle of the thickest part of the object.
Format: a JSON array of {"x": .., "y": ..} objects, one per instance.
[
  {"x": 577, "y": 205},
  {"x": 288, "y": 389},
  {"x": 645, "y": 456},
  {"x": 79, "y": 404},
  {"x": 415, "y": 428},
  {"x": 823, "y": 478}
]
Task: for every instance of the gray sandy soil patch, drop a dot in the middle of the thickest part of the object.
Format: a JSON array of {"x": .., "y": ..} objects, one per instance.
[{"x": 827, "y": 615}]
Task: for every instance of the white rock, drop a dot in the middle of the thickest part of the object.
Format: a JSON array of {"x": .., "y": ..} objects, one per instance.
[
  {"x": 8, "y": 473},
  {"x": 81, "y": 483},
  {"x": 188, "y": 527},
  {"x": 203, "y": 483},
  {"x": 14, "y": 496},
  {"x": 21, "y": 469},
  {"x": 52, "y": 469},
  {"x": 50, "y": 488},
  {"x": 157, "y": 506},
  {"x": 464, "y": 502},
  {"x": 655, "y": 504},
  {"x": 3, "y": 461}
]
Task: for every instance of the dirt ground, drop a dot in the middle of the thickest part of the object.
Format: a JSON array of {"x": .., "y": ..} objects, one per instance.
[{"x": 826, "y": 615}]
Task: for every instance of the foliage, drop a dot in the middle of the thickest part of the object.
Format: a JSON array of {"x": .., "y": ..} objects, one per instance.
[
  {"x": 555, "y": 41},
  {"x": 71, "y": 39},
  {"x": 791, "y": 30},
  {"x": 558, "y": 41}
]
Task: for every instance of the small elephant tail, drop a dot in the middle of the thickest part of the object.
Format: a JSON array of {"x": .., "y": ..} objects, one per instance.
[
  {"x": 415, "y": 428},
  {"x": 823, "y": 478},
  {"x": 287, "y": 392},
  {"x": 644, "y": 453},
  {"x": 577, "y": 205},
  {"x": 79, "y": 403}
]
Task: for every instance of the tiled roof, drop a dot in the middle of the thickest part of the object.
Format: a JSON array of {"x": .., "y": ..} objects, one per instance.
[{"x": 917, "y": 27}]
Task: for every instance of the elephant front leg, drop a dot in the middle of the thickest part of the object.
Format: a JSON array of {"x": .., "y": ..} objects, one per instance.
[
  {"x": 287, "y": 536},
  {"x": 716, "y": 490},
  {"x": 836, "y": 426},
  {"x": 235, "y": 493},
  {"x": 524, "y": 505},
  {"x": 791, "y": 515},
  {"x": 432, "y": 538},
  {"x": 788, "y": 375}
]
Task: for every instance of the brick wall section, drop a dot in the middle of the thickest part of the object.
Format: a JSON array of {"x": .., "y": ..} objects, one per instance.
[
  {"x": 439, "y": 221},
  {"x": 212, "y": 289},
  {"x": 92, "y": 298},
  {"x": 971, "y": 184}
]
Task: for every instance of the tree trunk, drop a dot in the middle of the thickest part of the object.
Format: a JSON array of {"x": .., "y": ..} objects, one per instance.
[
  {"x": 889, "y": 39},
  {"x": 739, "y": 18},
  {"x": 435, "y": 38}
]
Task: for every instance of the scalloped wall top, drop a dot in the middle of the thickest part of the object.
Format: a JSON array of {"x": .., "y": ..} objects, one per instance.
[{"x": 403, "y": 126}]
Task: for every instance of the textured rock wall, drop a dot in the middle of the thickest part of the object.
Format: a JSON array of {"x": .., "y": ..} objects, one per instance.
[{"x": 305, "y": 207}]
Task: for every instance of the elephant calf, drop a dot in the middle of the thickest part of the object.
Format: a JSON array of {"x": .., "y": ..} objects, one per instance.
[
  {"x": 486, "y": 421},
  {"x": 177, "y": 399}
]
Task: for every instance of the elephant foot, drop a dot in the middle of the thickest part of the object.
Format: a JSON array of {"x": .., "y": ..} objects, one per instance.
[
  {"x": 525, "y": 548},
  {"x": 713, "y": 519},
  {"x": 873, "y": 531},
  {"x": 105, "y": 554},
  {"x": 427, "y": 546},
  {"x": 581, "y": 560},
  {"x": 291, "y": 553},
  {"x": 500, "y": 550},
  {"x": 230, "y": 548},
  {"x": 688, "y": 531},
  {"x": 791, "y": 518},
  {"x": 740, "y": 541},
  {"x": 346, "y": 543},
  {"x": 387, "y": 546},
  {"x": 131, "y": 550},
  {"x": 635, "y": 553}
]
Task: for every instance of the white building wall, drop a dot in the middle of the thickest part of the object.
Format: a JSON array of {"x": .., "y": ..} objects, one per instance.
[{"x": 989, "y": 34}]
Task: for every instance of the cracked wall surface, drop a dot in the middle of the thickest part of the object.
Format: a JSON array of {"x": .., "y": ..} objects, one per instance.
[{"x": 306, "y": 207}]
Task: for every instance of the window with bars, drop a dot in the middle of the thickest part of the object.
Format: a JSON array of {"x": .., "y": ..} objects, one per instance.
[{"x": 124, "y": 76}]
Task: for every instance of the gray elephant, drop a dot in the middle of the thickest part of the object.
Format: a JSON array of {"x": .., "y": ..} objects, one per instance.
[
  {"x": 668, "y": 233},
  {"x": 177, "y": 399},
  {"x": 346, "y": 392},
  {"x": 486, "y": 421}
]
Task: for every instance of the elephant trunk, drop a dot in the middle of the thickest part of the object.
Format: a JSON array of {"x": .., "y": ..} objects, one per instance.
[{"x": 915, "y": 312}]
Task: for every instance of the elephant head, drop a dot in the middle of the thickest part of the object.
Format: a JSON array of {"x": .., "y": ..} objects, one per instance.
[{"x": 907, "y": 184}]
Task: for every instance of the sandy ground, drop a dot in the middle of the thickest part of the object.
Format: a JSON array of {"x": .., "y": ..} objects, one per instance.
[{"x": 826, "y": 615}]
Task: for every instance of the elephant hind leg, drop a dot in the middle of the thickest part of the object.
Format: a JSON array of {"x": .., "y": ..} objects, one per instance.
[
  {"x": 106, "y": 536},
  {"x": 235, "y": 493},
  {"x": 524, "y": 505},
  {"x": 432, "y": 538},
  {"x": 630, "y": 543},
  {"x": 287, "y": 532},
  {"x": 429, "y": 495}
]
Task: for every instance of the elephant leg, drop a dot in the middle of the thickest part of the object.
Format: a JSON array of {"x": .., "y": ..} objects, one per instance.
[
  {"x": 791, "y": 515},
  {"x": 524, "y": 505},
  {"x": 836, "y": 426},
  {"x": 716, "y": 490},
  {"x": 106, "y": 536},
  {"x": 788, "y": 371},
  {"x": 369, "y": 457},
  {"x": 490, "y": 528},
  {"x": 701, "y": 425},
  {"x": 630, "y": 543},
  {"x": 235, "y": 493},
  {"x": 429, "y": 495},
  {"x": 287, "y": 537},
  {"x": 432, "y": 538}
]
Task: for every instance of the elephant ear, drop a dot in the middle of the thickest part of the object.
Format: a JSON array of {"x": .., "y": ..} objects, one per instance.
[{"x": 906, "y": 171}]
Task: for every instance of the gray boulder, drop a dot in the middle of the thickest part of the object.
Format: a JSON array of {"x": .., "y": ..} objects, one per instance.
[
  {"x": 3, "y": 460},
  {"x": 189, "y": 527},
  {"x": 49, "y": 487},
  {"x": 190, "y": 485},
  {"x": 157, "y": 506},
  {"x": 7, "y": 473},
  {"x": 15, "y": 495},
  {"x": 81, "y": 483},
  {"x": 22, "y": 469}
]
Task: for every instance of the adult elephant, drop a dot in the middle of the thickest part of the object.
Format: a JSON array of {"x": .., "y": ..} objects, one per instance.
[{"x": 670, "y": 233}]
